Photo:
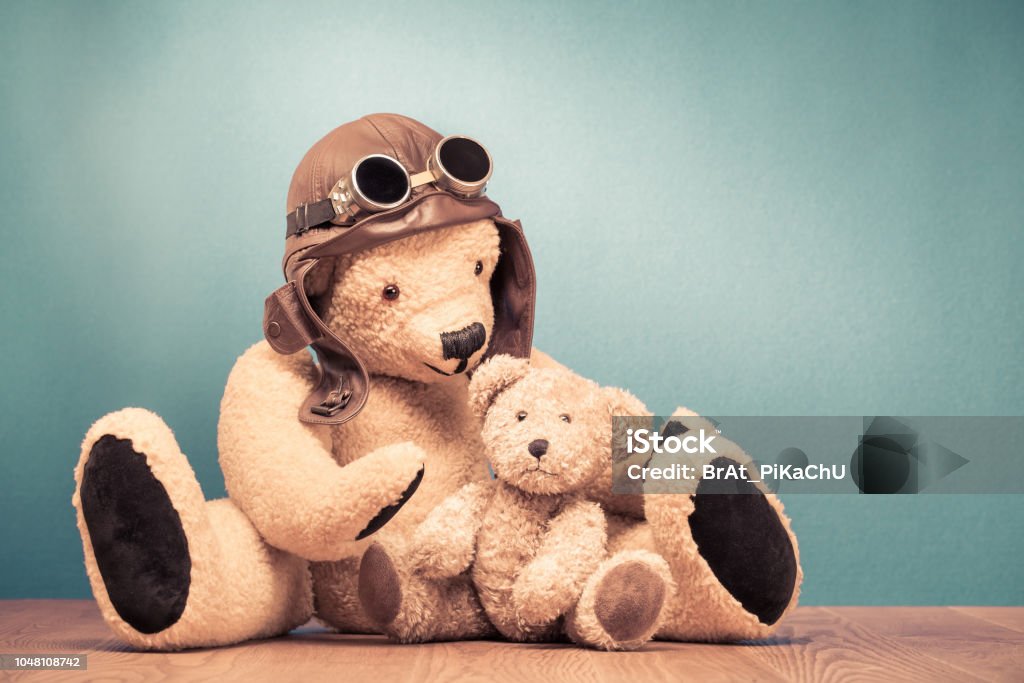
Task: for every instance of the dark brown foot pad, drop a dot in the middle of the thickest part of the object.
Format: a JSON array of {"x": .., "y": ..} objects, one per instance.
[
  {"x": 380, "y": 590},
  {"x": 137, "y": 537},
  {"x": 628, "y": 600},
  {"x": 386, "y": 513},
  {"x": 744, "y": 542}
]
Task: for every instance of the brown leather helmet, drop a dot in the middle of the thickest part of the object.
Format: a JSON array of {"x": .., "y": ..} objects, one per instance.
[{"x": 290, "y": 322}]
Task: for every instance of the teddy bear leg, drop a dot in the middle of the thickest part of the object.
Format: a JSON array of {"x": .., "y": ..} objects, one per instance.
[
  {"x": 170, "y": 570},
  {"x": 336, "y": 596},
  {"x": 733, "y": 555},
  {"x": 410, "y": 608},
  {"x": 623, "y": 602}
]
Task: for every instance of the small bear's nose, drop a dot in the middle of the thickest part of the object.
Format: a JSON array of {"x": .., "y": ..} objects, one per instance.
[{"x": 538, "y": 448}]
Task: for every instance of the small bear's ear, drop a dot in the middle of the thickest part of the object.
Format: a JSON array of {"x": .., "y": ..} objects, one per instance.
[
  {"x": 621, "y": 402},
  {"x": 493, "y": 377}
]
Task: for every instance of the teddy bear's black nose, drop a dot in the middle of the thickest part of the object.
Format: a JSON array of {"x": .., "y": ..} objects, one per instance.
[
  {"x": 538, "y": 448},
  {"x": 463, "y": 343}
]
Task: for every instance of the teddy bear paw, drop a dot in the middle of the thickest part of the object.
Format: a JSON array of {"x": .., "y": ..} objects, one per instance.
[
  {"x": 380, "y": 586},
  {"x": 623, "y": 602},
  {"x": 629, "y": 601}
]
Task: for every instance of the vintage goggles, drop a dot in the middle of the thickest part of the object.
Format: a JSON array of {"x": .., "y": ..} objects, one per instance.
[{"x": 378, "y": 182}]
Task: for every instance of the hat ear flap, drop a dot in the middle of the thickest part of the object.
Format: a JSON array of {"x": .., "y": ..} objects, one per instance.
[{"x": 491, "y": 378}]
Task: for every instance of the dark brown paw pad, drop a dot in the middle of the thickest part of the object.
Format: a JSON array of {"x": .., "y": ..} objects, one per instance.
[
  {"x": 740, "y": 536},
  {"x": 137, "y": 538},
  {"x": 629, "y": 600},
  {"x": 380, "y": 589},
  {"x": 386, "y": 513}
]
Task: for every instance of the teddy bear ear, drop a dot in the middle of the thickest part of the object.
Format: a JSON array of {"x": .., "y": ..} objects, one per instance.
[
  {"x": 493, "y": 377},
  {"x": 621, "y": 402}
]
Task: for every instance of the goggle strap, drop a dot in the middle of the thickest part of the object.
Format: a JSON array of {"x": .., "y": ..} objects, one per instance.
[
  {"x": 307, "y": 216},
  {"x": 422, "y": 178}
]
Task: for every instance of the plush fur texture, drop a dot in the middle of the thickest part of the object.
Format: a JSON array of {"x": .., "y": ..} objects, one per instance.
[
  {"x": 534, "y": 547},
  {"x": 656, "y": 520},
  {"x": 710, "y": 613},
  {"x": 240, "y": 587},
  {"x": 284, "y": 542},
  {"x": 651, "y": 523},
  {"x": 283, "y": 545}
]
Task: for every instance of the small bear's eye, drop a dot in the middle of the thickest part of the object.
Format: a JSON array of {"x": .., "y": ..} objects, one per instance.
[
  {"x": 391, "y": 292},
  {"x": 521, "y": 415},
  {"x": 478, "y": 268},
  {"x": 564, "y": 418}
]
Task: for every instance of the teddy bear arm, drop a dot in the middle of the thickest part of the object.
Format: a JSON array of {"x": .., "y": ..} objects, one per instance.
[
  {"x": 319, "y": 516},
  {"x": 571, "y": 551},
  {"x": 445, "y": 543},
  {"x": 281, "y": 472}
]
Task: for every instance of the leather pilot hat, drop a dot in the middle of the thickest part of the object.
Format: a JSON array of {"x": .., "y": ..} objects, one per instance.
[{"x": 290, "y": 322}]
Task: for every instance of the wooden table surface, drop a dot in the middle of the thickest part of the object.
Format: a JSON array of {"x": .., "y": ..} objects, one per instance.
[{"x": 814, "y": 644}]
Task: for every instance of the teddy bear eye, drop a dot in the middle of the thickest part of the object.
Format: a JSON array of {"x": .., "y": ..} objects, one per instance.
[
  {"x": 564, "y": 418},
  {"x": 391, "y": 292},
  {"x": 521, "y": 415},
  {"x": 478, "y": 268}
]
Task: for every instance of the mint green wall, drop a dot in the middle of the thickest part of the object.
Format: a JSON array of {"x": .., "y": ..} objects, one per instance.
[{"x": 754, "y": 208}]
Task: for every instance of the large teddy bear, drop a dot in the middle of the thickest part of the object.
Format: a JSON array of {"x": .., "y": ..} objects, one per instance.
[
  {"x": 526, "y": 554},
  {"x": 398, "y": 305},
  {"x": 401, "y": 277}
]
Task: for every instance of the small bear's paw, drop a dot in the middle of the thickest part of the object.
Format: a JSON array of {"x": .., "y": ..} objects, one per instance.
[
  {"x": 380, "y": 586},
  {"x": 623, "y": 603},
  {"x": 629, "y": 600}
]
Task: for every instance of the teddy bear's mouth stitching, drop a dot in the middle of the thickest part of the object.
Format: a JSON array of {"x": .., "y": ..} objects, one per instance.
[
  {"x": 542, "y": 471},
  {"x": 461, "y": 367}
]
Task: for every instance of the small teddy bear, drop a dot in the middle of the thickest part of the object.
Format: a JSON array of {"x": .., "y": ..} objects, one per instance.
[{"x": 535, "y": 548}]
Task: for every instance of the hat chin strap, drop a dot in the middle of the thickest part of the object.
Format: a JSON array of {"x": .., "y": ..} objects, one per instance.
[
  {"x": 342, "y": 388},
  {"x": 290, "y": 324}
]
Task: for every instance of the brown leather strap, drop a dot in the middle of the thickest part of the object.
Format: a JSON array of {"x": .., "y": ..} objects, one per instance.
[
  {"x": 290, "y": 324},
  {"x": 341, "y": 388},
  {"x": 307, "y": 216}
]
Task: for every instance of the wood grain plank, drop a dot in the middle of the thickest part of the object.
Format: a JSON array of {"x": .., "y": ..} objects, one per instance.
[
  {"x": 316, "y": 654},
  {"x": 821, "y": 644},
  {"x": 824, "y": 646},
  {"x": 971, "y": 644},
  {"x": 974, "y": 646},
  {"x": 1007, "y": 617}
]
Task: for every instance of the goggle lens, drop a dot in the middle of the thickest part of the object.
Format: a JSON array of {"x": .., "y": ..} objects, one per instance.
[
  {"x": 464, "y": 159},
  {"x": 381, "y": 180}
]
